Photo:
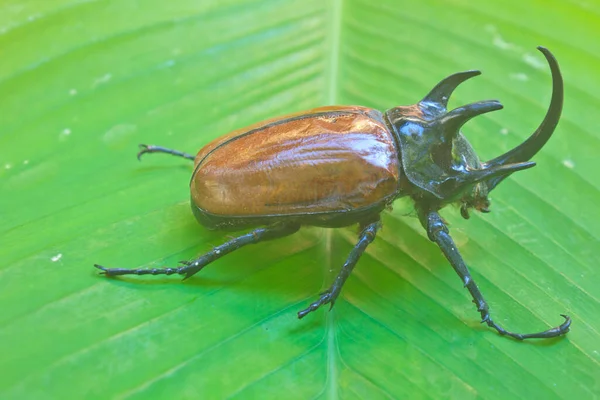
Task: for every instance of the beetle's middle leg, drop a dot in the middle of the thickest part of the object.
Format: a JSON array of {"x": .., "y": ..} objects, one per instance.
[
  {"x": 438, "y": 233},
  {"x": 366, "y": 236},
  {"x": 191, "y": 267}
]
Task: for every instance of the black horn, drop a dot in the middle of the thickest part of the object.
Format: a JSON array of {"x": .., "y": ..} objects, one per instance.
[
  {"x": 541, "y": 135},
  {"x": 497, "y": 172},
  {"x": 442, "y": 91},
  {"x": 456, "y": 118}
]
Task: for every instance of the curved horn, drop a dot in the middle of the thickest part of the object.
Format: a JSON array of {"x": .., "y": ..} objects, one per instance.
[
  {"x": 497, "y": 172},
  {"x": 443, "y": 90},
  {"x": 538, "y": 139},
  {"x": 456, "y": 118}
]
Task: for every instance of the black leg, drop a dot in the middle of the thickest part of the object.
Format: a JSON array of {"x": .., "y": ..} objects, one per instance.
[
  {"x": 367, "y": 235},
  {"x": 438, "y": 233},
  {"x": 189, "y": 268},
  {"x": 148, "y": 148}
]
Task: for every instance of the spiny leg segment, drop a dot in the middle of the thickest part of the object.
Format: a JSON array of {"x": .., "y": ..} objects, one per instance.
[
  {"x": 438, "y": 233},
  {"x": 191, "y": 267}
]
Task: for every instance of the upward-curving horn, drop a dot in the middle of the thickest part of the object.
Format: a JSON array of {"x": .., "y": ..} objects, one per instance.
[
  {"x": 456, "y": 118},
  {"x": 442, "y": 91},
  {"x": 538, "y": 139}
]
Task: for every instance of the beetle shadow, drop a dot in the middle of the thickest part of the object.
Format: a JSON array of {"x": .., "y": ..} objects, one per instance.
[
  {"x": 240, "y": 273},
  {"x": 263, "y": 270},
  {"x": 234, "y": 269}
]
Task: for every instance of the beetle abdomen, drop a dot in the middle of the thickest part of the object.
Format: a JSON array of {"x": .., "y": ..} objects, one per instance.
[{"x": 330, "y": 159}]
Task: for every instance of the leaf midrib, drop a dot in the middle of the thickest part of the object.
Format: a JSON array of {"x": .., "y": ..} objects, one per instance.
[{"x": 332, "y": 75}]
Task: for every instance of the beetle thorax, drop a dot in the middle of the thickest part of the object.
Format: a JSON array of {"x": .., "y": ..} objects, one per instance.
[
  {"x": 437, "y": 164},
  {"x": 437, "y": 159}
]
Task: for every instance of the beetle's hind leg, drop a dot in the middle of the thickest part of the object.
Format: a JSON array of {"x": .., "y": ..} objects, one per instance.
[
  {"x": 150, "y": 148},
  {"x": 438, "y": 233},
  {"x": 191, "y": 267},
  {"x": 366, "y": 236}
]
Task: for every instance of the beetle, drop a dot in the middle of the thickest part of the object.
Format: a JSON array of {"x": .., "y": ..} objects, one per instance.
[{"x": 342, "y": 165}]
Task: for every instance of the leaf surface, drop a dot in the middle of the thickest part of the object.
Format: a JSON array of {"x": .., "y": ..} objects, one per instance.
[{"x": 83, "y": 82}]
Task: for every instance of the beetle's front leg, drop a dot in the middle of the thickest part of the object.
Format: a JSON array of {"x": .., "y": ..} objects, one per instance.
[
  {"x": 367, "y": 235},
  {"x": 438, "y": 233}
]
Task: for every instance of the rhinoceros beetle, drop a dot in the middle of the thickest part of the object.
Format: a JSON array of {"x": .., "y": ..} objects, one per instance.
[{"x": 342, "y": 165}]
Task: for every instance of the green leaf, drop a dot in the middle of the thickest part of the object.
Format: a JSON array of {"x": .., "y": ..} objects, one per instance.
[{"x": 83, "y": 82}]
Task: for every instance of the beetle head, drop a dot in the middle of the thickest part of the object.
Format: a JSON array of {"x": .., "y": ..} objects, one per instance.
[{"x": 438, "y": 159}]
